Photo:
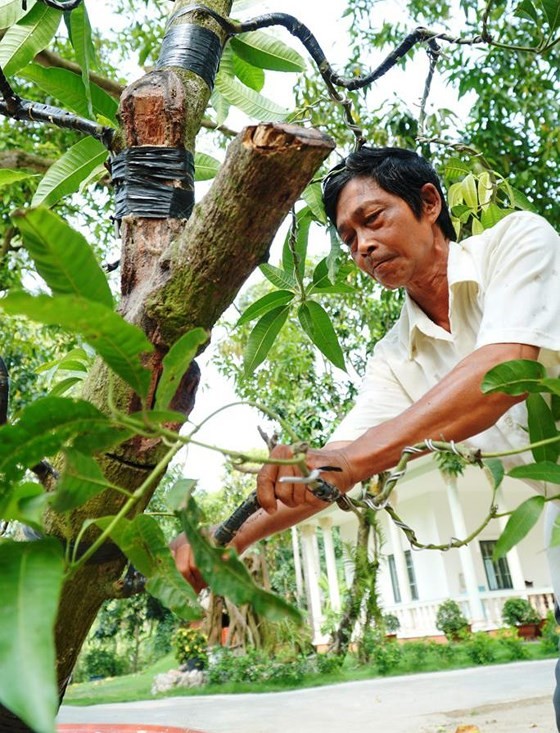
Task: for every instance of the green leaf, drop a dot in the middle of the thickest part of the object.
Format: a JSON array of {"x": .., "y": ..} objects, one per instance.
[
  {"x": 520, "y": 201},
  {"x": 11, "y": 11},
  {"x": 335, "y": 253},
  {"x": 455, "y": 168},
  {"x": 64, "y": 386},
  {"x": 66, "y": 174},
  {"x": 492, "y": 214},
  {"x": 267, "y": 52},
  {"x": 25, "y": 503},
  {"x": 178, "y": 495},
  {"x": 117, "y": 342},
  {"x": 205, "y": 167},
  {"x": 81, "y": 480},
  {"x": 227, "y": 576},
  {"x": 250, "y": 75},
  {"x": 552, "y": 12},
  {"x": 468, "y": 185},
  {"x": 514, "y": 377},
  {"x": 278, "y": 277},
  {"x": 221, "y": 106},
  {"x": 519, "y": 525},
  {"x": 175, "y": 365},
  {"x": 526, "y": 9},
  {"x": 30, "y": 35},
  {"x": 263, "y": 305},
  {"x": 62, "y": 256},
  {"x": 249, "y": 101},
  {"x": 485, "y": 188},
  {"x": 32, "y": 574},
  {"x": 8, "y": 176},
  {"x": 298, "y": 243},
  {"x": 544, "y": 471},
  {"x": 542, "y": 425},
  {"x": 316, "y": 323},
  {"x": 143, "y": 542},
  {"x": 80, "y": 37},
  {"x": 262, "y": 337},
  {"x": 476, "y": 226},
  {"x": 495, "y": 470},
  {"x": 68, "y": 88},
  {"x": 313, "y": 197},
  {"x": 48, "y": 424}
]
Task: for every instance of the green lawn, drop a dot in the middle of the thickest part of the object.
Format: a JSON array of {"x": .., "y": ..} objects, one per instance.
[{"x": 417, "y": 659}]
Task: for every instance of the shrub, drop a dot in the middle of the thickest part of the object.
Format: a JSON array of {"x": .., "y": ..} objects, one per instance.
[
  {"x": 98, "y": 663},
  {"x": 386, "y": 655},
  {"x": 392, "y": 623},
  {"x": 518, "y": 611},
  {"x": 451, "y": 621},
  {"x": 190, "y": 645},
  {"x": 550, "y": 636},
  {"x": 481, "y": 648},
  {"x": 328, "y": 663},
  {"x": 512, "y": 645}
]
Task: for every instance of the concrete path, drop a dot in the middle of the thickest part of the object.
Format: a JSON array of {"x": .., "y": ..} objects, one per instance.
[{"x": 509, "y": 698}]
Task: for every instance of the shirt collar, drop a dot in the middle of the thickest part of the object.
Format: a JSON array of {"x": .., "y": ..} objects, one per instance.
[{"x": 460, "y": 269}]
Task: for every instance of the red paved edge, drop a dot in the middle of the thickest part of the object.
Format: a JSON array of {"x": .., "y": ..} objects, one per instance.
[{"x": 120, "y": 728}]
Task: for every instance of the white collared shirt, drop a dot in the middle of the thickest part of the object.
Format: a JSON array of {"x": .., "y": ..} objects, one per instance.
[{"x": 504, "y": 287}]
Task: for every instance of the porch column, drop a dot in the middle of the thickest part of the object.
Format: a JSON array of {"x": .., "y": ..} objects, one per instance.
[
  {"x": 297, "y": 564},
  {"x": 334, "y": 592},
  {"x": 465, "y": 553},
  {"x": 311, "y": 575},
  {"x": 400, "y": 563},
  {"x": 513, "y": 559}
]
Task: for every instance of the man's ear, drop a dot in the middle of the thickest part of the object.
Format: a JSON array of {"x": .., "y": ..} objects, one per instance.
[{"x": 431, "y": 201}]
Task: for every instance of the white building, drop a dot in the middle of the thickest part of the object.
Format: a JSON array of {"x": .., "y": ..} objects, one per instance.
[{"x": 414, "y": 582}]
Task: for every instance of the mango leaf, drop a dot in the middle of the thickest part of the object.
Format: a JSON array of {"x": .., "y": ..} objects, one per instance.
[
  {"x": 262, "y": 337},
  {"x": 79, "y": 31},
  {"x": 316, "y": 323},
  {"x": 227, "y": 576},
  {"x": 25, "y": 503},
  {"x": 263, "y": 305},
  {"x": 66, "y": 174},
  {"x": 267, "y": 52},
  {"x": 455, "y": 168},
  {"x": 544, "y": 471},
  {"x": 468, "y": 185},
  {"x": 313, "y": 197},
  {"x": 64, "y": 386},
  {"x": 520, "y": 201},
  {"x": 220, "y": 105},
  {"x": 205, "y": 167},
  {"x": 175, "y": 365},
  {"x": 68, "y": 88},
  {"x": 48, "y": 424},
  {"x": 81, "y": 480},
  {"x": 552, "y": 12},
  {"x": 178, "y": 495},
  {"x": 278, "y": 277},
  {"x": 542, "y": 425},
  {"x": 249, "y": 101},
  {"x": 485, "y": 188},
  {"x": 294, "y": 251},
  {"x": 11, "y": 11},
  {"x": 30, "y": 35},
  {"x": 248, "y": 74},
  {"x": 117, "y": 342},
  {"x": 335, "y": 253},
  {"x": 32, "y": 574},
  {"x": 522, "y": 520},
  {"x": 62, "y": 256},
  {"x": 477, "y": 226},
  {"x": 492, "y": 214},
  {"x": 494, "y": 469},
  {"x": 322, "y": 282},
  {"x": 514, "y": 377},
  {"x": 526, "y": 9},
  {"x": 143, "y": 542},
  {"x": 8, "y": 176},
  {"x": 157, "y": 417}
]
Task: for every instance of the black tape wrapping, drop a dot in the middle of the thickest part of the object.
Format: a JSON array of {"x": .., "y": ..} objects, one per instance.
[
  {"x": 141, "y": 176},
  {"x": 192, "y": 48}
]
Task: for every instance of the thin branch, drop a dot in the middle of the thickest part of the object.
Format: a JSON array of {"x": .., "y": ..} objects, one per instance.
[{"x": 23, "y": 159}]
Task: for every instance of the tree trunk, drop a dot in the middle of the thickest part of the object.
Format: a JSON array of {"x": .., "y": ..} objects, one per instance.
[{"x": 177, "y": 275}]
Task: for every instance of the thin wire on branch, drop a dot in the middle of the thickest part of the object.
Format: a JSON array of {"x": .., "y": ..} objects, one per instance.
[{"x": 64, "y": 6}]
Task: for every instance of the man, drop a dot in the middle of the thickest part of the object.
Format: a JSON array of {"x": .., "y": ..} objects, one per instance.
[{"x": 468, "y": 307}]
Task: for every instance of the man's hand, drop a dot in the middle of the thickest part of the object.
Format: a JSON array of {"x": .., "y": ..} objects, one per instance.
[
  {"x": 270, "y": 489},
  {"x": 184, "y": 561}
]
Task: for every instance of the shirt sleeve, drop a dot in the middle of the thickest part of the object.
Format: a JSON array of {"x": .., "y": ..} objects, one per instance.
[
  {"x": 380, "y": 398},
  {"x": 521, "y": 280}
]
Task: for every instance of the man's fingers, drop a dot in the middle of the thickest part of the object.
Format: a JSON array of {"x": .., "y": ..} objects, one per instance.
[{"x": 266, "y": 485}]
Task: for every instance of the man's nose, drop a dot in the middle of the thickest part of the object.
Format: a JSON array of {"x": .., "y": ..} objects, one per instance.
[{"x": 366, "y": 244}]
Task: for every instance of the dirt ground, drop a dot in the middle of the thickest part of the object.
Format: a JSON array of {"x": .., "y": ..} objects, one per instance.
[{"x": 512, "y": 717}]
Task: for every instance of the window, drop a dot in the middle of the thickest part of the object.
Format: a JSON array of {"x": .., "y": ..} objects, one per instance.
[
  {"x": 497, "y": 573},
  {"x": 394, "y": 578},
  {"x": 411, "y": 575}
]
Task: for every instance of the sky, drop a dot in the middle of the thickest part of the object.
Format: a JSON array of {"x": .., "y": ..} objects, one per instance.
[{"x": 236, "y": 428}]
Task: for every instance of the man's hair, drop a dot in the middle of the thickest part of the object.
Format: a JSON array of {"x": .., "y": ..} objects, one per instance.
[{"x": 398, "y": 171}]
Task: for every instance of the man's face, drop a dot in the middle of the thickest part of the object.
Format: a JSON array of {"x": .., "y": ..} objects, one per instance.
[{"x": 385, "y": 238}]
